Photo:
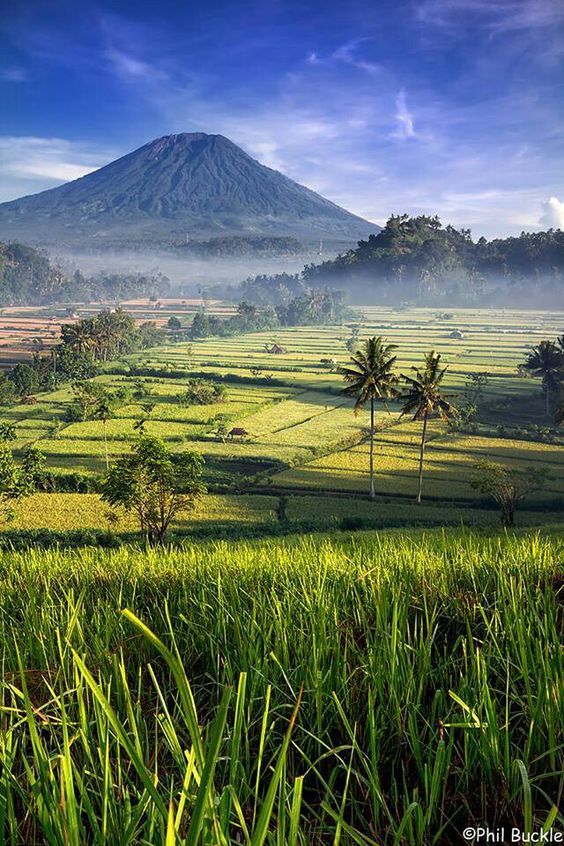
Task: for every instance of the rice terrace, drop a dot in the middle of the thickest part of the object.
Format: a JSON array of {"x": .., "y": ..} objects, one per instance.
[
  {"x": 282, "y": 423},
  {"x": 302, "y": 441},
  {"x": 303, "y": 724}
]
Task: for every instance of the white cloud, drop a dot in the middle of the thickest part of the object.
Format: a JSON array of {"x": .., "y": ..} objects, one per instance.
[
  {"x": 31, "y": 164},
  {"x": 553, "y": 214},
  {"x": 347, "y": 53},
  {"x": 405, "y": 125},
  {"x": 494, "y": 15},
  {"x": 129, "y": 67}
]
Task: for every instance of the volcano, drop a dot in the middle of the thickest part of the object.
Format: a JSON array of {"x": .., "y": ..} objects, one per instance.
[{"x": 178, "y": 188}]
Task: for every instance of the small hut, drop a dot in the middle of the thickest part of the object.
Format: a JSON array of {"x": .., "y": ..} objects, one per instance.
[
  {"x": 276, "y": 349},
  {"x": 237, "y": 432},
  {"x": 456, "y": 335}
]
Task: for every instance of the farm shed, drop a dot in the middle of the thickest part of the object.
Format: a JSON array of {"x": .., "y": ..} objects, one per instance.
[{"x": 237, "y": 432}]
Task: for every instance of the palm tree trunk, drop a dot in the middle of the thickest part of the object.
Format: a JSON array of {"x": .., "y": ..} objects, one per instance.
[
  {"x": 372, "y": 491},
  {"x": 106, "y": 446},
  {"x": 421, "y": 454},
  {"x": 547, "y": 392}
]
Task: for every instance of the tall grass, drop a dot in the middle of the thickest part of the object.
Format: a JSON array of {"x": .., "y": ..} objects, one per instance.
[{"x": 375, "y": 690}]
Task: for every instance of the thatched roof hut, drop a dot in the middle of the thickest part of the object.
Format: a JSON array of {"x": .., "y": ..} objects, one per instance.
[{"x": 238, "y": 432}]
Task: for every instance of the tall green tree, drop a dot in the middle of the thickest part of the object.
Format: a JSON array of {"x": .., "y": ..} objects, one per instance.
[
  {"x": 546, "y": 361},
  {"x": 371, "y": 378},
  {"x": 154, "y": 484},
  {"x": 423, "y": 398}
]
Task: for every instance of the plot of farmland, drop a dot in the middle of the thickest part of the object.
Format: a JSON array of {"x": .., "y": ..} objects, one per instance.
[{"x": 303, "y": 439}]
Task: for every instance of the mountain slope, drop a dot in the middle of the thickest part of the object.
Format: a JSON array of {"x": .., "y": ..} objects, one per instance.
[{"x": 193, "y": 185}]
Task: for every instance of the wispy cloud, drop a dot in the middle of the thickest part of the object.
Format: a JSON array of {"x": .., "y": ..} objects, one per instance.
[
  {"x": 405, "y": 125},
  {"x": 493, "y": 15},
  {"x": 14, "y": 75},
  {"x": 131, "y": 68},
  {"x": 32, "y": 164},
  {"x": 349, "y": 54}
]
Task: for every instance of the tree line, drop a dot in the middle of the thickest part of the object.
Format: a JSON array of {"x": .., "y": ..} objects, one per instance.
[
  {"x": 309, "y": 308},
  {"x": 29, "y": 276},
  {"x": 417, "y": 260},
  {"x": 83, "y": 345}
]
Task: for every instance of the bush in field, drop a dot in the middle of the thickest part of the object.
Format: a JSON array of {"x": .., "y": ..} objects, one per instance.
[
  {"x": 18, "y": 481},
  {"x": 154, "y": 484},
  {"x": 506, "y": 485},
  {"x": 200, "y": 392},
  {"x": 24, "y": 379}
]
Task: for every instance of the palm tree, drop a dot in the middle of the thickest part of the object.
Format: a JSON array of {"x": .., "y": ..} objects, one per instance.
[
  {"x": 559, "y": 414},
  {"x": 103, "y": 412},
  {"x": 371, "y": 378},
  {"x": 423, "y": 397},
  {"x": 78, "y": 336},
  {"x": 547, "y": 361}
]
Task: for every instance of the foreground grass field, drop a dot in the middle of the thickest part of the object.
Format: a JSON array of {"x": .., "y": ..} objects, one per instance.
[{"x": 372, "y": 689}]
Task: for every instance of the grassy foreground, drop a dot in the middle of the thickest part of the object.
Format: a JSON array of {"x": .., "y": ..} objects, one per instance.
[{"x": 384, "y": 689}]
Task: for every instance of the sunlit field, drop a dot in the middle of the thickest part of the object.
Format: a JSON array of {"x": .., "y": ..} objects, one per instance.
[{"x": 303, "y": 440}]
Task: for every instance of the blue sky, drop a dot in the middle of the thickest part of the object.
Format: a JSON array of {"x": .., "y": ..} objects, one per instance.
[{"x": 417, "y": 106}]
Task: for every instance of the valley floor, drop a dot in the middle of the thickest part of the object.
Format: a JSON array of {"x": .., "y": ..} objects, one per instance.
[{"x": 304, "y": 444}]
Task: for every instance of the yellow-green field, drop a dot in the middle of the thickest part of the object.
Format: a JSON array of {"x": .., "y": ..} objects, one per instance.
[{"x": 303, "y": 439}]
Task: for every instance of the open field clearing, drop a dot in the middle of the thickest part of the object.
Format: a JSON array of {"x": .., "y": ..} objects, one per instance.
[
  {"x": 301, "y": 436},
  {"x": 299, "y": 691},
  {"x": 256, "y": 513},
  {"x": 450, "y": 459}
]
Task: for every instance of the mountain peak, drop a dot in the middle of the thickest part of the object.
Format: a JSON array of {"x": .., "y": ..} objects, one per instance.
[{"x": 187, "y": 184}]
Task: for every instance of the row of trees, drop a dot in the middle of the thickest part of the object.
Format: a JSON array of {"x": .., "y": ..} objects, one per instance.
[
  {"x": 310, "y": 308},
  {"x": 109, "y": 334},
  {"x": 82, "y": 346},
  {"x": 29, "y": 276},
  {"x": 371, "y": 378}
]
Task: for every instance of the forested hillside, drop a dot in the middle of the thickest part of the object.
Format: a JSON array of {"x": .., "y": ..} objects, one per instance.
[
  {"x": 419, "y": 259},
  {"x": 28, "y": 276}
]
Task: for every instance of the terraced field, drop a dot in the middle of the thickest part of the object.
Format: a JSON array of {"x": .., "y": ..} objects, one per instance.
[{"x": 303, "y": 440}]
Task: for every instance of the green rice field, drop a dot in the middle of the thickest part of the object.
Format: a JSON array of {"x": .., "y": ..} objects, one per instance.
[{"x": 303, "y": 441}]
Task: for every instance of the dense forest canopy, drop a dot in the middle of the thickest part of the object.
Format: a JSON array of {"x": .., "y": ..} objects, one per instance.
[
  {"x": 418, "y": 260},
  {"x": 28, "y": 276}
]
